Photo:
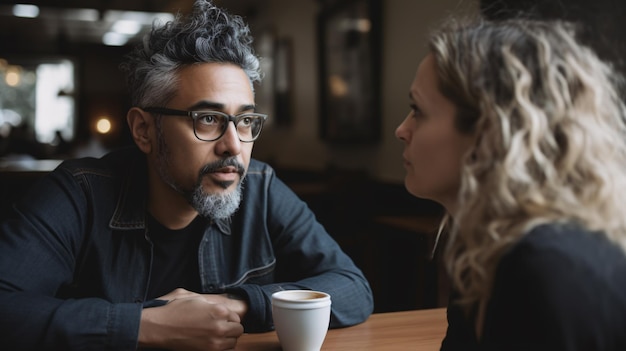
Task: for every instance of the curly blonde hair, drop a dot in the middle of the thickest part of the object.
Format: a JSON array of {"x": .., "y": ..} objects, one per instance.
[{"x": 550, "y": 140}]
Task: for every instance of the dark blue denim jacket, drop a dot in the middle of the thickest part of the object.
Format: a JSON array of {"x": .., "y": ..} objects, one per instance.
[{"x": 75, "y": 256}]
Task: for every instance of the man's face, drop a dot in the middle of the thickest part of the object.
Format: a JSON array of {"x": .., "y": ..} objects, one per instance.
[{"x": 207, "y": 174}]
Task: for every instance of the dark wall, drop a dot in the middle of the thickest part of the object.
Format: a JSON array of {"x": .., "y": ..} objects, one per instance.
[{"x": 603, "y": 21}]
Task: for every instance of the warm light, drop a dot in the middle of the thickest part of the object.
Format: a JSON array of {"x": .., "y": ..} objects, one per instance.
[
  {"x": 12, "y": 77},
  {"x": 362, "y": 25},
  {"x": 337, "y": 86},
  {"x": 103, "y": 126}
]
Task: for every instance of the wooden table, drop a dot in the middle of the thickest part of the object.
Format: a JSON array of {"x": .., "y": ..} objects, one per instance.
[{"x": 420, "y": 330}]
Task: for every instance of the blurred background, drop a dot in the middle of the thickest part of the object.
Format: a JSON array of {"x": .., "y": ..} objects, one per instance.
[
  {"x": 63, "y": 94},
  {"x": 337, "y": 74}
]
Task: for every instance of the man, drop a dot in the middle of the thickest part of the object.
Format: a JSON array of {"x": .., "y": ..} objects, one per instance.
[{"x": 179, "y": 242}]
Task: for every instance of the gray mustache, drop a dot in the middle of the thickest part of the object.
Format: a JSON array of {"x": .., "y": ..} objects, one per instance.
[{"x": 227, "y": 162}]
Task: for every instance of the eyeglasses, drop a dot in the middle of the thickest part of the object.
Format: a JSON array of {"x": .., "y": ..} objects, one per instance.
[{"x": 211, "y": 125}]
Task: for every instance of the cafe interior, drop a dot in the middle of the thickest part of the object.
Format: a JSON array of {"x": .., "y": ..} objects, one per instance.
[{"x": 337, "y": 73}]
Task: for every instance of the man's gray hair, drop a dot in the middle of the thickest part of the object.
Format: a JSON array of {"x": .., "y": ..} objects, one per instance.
[{"x": 207, "y": 34}]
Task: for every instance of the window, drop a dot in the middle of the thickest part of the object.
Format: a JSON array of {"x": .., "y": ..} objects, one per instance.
[{"x": 38, "y": 98}]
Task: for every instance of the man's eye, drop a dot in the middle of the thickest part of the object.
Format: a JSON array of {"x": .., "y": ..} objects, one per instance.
[
  {"x": 246, "y": 121},
  {"x": 208, "y": 119}
]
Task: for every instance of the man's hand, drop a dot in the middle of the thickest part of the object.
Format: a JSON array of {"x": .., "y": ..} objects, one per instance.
[
  {"x": 189, "y": 321},
  {"x": 233, "y": 303}
]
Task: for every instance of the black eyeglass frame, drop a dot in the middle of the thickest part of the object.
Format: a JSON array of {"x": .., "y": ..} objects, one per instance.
[{"x": 194, "y": 115}]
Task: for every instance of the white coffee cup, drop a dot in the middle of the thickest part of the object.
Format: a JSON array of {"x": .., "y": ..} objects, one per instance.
[{"x": 301, "y": 319}]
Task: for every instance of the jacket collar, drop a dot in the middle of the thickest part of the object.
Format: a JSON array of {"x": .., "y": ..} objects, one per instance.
[{"x": 223, "y": 225}]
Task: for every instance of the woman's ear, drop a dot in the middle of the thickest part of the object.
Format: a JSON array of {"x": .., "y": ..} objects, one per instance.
[{"x": 141, "y": 124}]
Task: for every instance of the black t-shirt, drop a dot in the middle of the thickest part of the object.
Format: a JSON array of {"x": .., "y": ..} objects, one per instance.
[{"x": 175, "y": 259}]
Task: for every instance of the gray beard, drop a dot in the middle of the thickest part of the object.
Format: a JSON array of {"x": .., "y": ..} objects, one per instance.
[
  {"x": 211, "y": 206},
  {"x": 216, "y": 206}
]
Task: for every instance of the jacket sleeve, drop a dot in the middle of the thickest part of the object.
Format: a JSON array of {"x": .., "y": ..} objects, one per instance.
[
  {"x": 39, "y": 244},
  {"x": 307, "y": 257}
]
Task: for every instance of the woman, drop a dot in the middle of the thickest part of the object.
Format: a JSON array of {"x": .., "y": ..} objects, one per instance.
[{"x": 519, "y": 132}]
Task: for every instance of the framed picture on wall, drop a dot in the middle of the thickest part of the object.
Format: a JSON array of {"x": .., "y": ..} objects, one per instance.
[
  {"x": 274, "y": 96},
  {"x": 349, "y": 46}
]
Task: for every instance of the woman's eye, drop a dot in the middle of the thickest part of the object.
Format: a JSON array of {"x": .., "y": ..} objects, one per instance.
[{"x": 415, "y": 111}]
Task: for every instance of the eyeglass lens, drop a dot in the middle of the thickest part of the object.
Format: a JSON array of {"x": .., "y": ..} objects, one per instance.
[{"x": 212, "y": 126}]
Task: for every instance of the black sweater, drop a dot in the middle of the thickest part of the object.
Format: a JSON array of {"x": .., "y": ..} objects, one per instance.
[{"x": 560, "y": 288}]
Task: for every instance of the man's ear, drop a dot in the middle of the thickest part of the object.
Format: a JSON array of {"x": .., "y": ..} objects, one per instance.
[{"x": 141, "y": 124}]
